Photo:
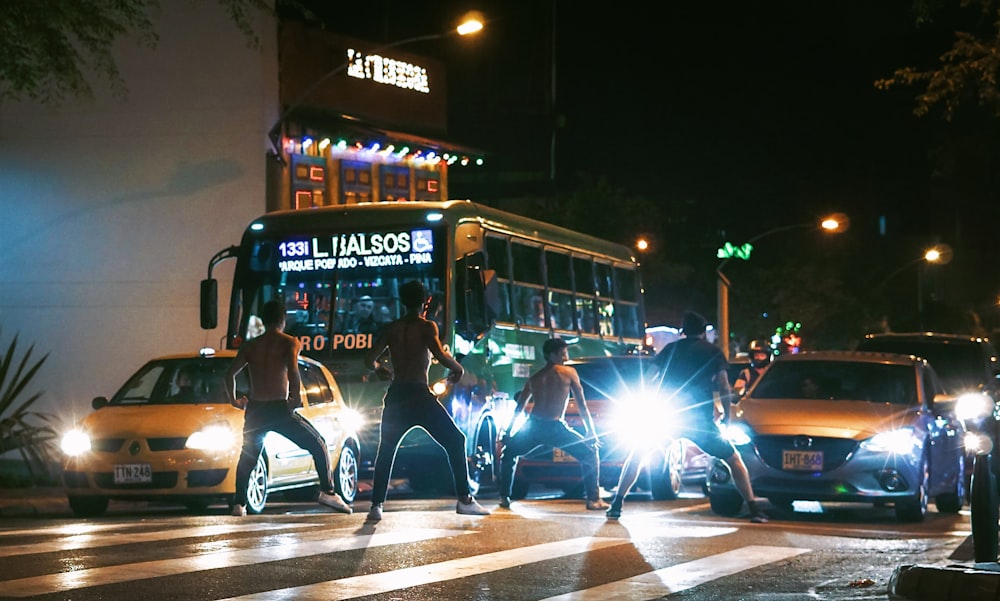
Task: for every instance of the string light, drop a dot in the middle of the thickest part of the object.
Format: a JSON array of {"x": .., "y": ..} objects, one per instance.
[{"x": 389, "y": 152}]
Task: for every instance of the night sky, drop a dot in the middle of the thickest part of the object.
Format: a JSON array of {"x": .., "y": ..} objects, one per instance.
[{"x": 749, "y": 115}]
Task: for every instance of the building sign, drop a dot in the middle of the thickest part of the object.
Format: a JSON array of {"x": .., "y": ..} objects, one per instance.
[
  {"x": 384, "y": 70},
  {"x": 354, "y": 250}
]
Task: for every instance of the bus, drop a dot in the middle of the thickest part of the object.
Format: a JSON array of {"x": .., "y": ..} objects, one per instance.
[{"x": 502, "y": 284}]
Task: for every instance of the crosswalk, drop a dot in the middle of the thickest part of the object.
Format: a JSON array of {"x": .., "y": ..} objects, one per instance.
[{"x": 235, "y": 544}]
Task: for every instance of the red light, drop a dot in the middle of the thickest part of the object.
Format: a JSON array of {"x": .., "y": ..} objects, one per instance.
[{"x": 317, "y": 174}]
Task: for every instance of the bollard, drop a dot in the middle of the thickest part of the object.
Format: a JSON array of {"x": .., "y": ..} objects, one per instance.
[{"x": 985, "y": 511}]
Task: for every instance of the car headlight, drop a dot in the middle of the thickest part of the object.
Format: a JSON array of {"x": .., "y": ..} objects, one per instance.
[
  {"x": 977, "y": 443},
  {"x": 899, "y": 442},
  {"x": 75, "y": 442},
  {"x": 738, "y": 434},
  {"x": 213, "y": 437},
  {"x": 973, "y": 406},
  {"x": 642, "y": 420},
  {"x": 351, "y": 420}
]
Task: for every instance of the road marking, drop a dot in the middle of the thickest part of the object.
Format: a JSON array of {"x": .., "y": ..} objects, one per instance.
[
  {"x": 680, "y": 577},
  {"x": 374, "y": 584},
  {"x": 40, "y": 585},
  {"x": 89, "y": 541}
]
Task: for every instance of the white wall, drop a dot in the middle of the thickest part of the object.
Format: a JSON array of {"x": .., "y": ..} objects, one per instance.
[{"x": 110, "y": 209}]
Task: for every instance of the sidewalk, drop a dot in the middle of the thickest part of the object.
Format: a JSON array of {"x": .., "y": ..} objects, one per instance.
[{"x": 955, "y": 582}]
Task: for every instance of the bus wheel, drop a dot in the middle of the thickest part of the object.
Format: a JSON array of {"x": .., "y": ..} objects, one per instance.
[{"x": 482, "y": 464}]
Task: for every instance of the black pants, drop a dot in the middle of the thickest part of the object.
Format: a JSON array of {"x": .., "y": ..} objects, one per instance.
[
  {"x": 406, "y": 405},
  {"x": 274, "y": 416},
  {"x": 552, "y": 433}
]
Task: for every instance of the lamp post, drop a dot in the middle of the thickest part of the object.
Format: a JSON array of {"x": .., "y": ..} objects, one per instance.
[
  {"x": 833, "y": 224},
  {"x": 471, "y": 23},
  {"x": 939, "y": 254}
]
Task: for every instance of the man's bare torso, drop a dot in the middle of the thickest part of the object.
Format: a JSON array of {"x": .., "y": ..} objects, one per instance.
[
  {"x": 409, "y": 349},
  {"x": 268, "y": 357},
  {"x": 550, "y": 388}
]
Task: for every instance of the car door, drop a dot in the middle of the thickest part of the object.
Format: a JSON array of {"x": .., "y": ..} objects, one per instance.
[
  {"x": 943, "y": 429},
  {"x": 290, "y": 463}
]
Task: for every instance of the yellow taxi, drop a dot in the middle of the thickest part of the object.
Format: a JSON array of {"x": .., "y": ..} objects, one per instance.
[{"x": 169, "y": 434}]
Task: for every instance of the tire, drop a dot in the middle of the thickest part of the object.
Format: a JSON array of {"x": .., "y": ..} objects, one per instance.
[
  {"x": 726, "y": 504},
  {"x": 483, "y": 462},
  {"x": 665, "y": 480},
  {"x": 985, "y": 512},
  {"x": 257, "y": 486},
  {"x": 914, "y": 508},
  {"x": 345, "y": 474},
  {"x": 952, "y": 501},
  {"x": 519, "y": 489},
  {"x": 88, "y": 507}
]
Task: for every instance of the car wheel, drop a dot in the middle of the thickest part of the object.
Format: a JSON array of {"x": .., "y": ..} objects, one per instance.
[
  {"x": 665, "y": 473},
  {"x": 914, "y": 508},
  {"x": 726, "y": 504},
  {"x": 985, "y": 511},
  {"x": 482, "y": 464},
  {"x": 952, "y": 501},
  {"x": 519, "y": 489},
  {"x": 346, "y": 474},
  {"x": 87, "y": 507},
  {"x": 257, "y": 486}
]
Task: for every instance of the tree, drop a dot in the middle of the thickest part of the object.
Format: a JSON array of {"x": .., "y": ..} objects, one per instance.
[{"x": 47, "y": 46}]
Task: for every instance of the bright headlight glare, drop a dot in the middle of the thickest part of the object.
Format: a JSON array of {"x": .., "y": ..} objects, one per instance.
[
  {"x": 75, "y": 442},
  {"x": 977, "y": 443},
  {"x": 641, "y": 421},
  {"x": 213, "y": 437},
  {"x": 973, "y": 406},
  {"x": 439, "y": 387},
  {"x": 736, "y": 434},
  {"x": 899, "y": 442},
  {"x": 351, "y": 420}
]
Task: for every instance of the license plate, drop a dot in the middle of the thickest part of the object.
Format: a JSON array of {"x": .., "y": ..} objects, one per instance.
[
  {"x": 810, "y": 461},
  {"x": 133, "y": 473},
  {"x": 561, "y": 456}
]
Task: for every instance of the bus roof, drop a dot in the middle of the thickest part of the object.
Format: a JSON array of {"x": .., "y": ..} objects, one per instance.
[{"x": 453, "y": 211}]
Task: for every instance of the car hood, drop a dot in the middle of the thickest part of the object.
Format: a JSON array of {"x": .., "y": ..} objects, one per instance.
[
  {"x": 159, "y": 420},
  {"x": 857, "y": 420}
]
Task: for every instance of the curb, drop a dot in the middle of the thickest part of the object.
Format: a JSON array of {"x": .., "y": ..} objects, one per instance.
[{"x": 980, "y": 582}]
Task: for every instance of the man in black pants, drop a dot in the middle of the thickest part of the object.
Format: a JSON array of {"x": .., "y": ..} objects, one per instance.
[
  {"x": 411, "y": 341},
  {"x": 273, "y": 359}
]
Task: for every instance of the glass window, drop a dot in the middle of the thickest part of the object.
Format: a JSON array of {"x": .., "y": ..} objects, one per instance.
[
  {"x": 604, "y": 280},
  {"x": 527, "y": 263},
  {"x": 583, "y": 276},
  {"x": 496, "y": 255},
  {"x": 628, "y": 285},
  {"x": 558, "y": 271}
]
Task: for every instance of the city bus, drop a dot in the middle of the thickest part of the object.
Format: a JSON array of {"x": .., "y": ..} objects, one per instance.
[{"x": 501, "y": 283}]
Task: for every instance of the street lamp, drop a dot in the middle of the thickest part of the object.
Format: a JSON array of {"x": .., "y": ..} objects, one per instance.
[
  {"x": 470, "y": 24},
  {"x": 832, "y": 224},
  {"x": 939, "y": 254}
]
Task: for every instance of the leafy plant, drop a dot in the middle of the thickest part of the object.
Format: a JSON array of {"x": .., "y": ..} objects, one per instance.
[{"x": 31, "y": 433}]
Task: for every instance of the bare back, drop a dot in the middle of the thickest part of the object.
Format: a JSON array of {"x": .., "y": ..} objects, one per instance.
[
  {"x": 549, "y": 388},
  {"x": 412, "y": 341},
  {"x": 273, "y": 362}
]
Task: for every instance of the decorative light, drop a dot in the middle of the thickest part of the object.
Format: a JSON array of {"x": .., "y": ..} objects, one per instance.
[{"x": 324, "y": 143}]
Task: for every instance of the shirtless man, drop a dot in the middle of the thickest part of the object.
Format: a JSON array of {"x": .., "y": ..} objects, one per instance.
[
  {"x": 411, "y": 341},
  {"x": 275, "y": 384},
  {"x": 550, "y": 388}
]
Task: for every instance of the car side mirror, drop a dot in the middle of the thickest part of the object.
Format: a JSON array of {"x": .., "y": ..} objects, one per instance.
[{"x": 99, "y": 402}]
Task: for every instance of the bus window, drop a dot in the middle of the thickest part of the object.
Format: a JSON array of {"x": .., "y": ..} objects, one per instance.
[
  {"x": 529, "y": 293},
  {"x": 497, "y": 260},
  {"x": 628, "y": 302},
  {"x": 585, "y": 287},
  {"x": 559, "y": 276}
]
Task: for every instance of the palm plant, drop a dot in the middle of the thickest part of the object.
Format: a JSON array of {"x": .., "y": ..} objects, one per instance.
[{"x": 31, "y": 433}]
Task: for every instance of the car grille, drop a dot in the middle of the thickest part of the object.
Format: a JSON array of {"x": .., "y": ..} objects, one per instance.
[
  {"x": 107, "y": 445},
  {"x": 199, "y": 478},
  {"x": 835, "y": 450},
  {"x": 160, "y": 480},
  {"x": 166, "y": 444}
]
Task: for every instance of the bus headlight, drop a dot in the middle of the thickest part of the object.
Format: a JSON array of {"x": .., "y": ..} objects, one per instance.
[
  {"x": 213, "y": 437},
  {"x": 75, "y": 442}
]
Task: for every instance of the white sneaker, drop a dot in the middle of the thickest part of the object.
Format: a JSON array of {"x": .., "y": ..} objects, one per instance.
[
  {"x": 471, "y": 508},
  {"x": 333, "y": 501},
  {"x": 375, "y": 513},
  {"x": 239, "y": 510}
]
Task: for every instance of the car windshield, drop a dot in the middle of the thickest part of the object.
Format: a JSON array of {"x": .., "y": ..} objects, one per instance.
[
  {"x": 611, "y": 379},
  {"x": 179, "y": 382},
  {"x": 960, "y": 366},
  {"x": 838, "y": 381}
]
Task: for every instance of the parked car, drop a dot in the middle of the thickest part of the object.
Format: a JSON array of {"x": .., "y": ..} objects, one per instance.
[
  {"x": 847, "y": 426},
  {"x": 625, "y": 414},
  {"x": 170, "y": 434}
]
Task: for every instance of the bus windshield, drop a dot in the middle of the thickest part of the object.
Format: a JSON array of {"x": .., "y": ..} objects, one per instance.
[{"x": 340, "y": 287}]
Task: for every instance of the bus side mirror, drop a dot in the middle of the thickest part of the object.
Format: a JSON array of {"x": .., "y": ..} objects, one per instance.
[
  {"x": 209, "y": 304},
  {"x": 477, "y": 300}
]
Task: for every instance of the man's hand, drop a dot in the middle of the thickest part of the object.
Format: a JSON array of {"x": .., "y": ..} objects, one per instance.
[{"x": 454, "y": 376}]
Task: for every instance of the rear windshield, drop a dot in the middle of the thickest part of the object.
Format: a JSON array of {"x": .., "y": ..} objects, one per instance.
[
  {"x": 179, "y": 382},
  {"x": 960, "y": 366},
  {"x": 838, "y": 381}
]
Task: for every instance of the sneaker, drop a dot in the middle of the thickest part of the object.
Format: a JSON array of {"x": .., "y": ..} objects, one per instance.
[
  {"x": 613, "y": 512},
  {"x": 333, "y": 501},
  {"x": 504, "y": 502},
  {"x": 375, "y": 513},
  {"x": 239, "y": 510},
  {"x": 471, "y": 508},
  {"x": 597, "y": 505}
]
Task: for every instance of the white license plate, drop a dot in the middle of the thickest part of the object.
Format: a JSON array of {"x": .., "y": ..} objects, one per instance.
[
  {"x": 809, "y": 461},
  {"x": 133, "y": 473},
  {"x": 561, "y": 456}
]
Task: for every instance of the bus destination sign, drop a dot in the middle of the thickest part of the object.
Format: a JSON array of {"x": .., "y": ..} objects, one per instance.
[{"x": 356, "y": 250}]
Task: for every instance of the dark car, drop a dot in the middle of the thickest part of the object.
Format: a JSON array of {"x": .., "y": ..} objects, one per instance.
[
  {"x": 625, "y": 413},
  {"x": 847, "y": 426}
]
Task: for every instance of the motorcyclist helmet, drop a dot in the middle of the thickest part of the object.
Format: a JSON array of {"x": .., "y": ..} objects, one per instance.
[{"x": 760, "y": 353}]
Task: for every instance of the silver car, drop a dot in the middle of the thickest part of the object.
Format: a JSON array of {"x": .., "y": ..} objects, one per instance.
[{"x": 847, "y": 426}]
